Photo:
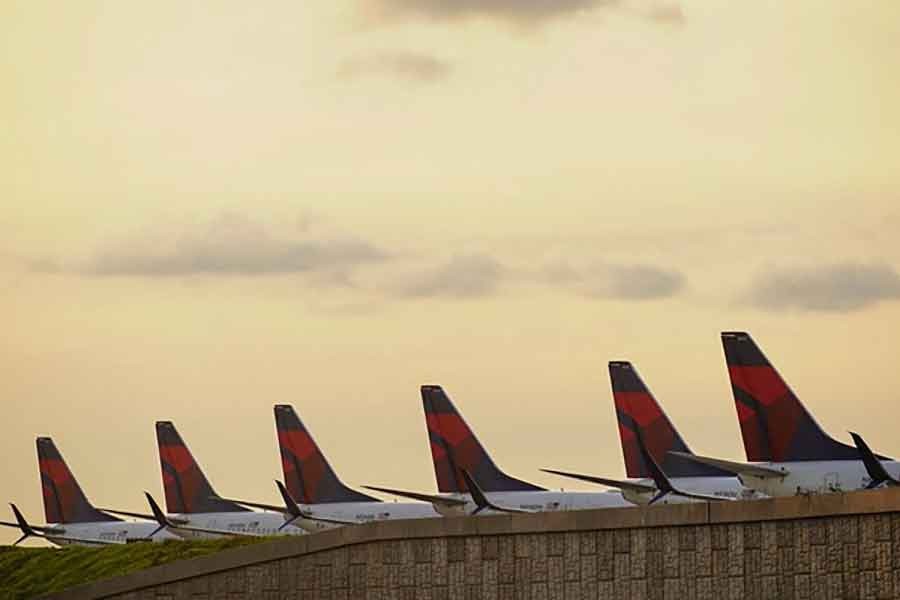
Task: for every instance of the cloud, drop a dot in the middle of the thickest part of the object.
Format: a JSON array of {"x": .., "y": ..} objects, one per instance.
[
  {"x": 616, "y": 281},
  {"x": 234, "y": 245},
  {"x": 637, "y": 282},
  {"x": 665, "y": 13},
  {"x": 409, "y": 66},
  {"x": 524, "y": 11},
  {"x": 231, "y": 245},
  {"x": 463, "y": 276},
  {"x": 519, "y": 10},
  {"x": 839, "y": 287},
  {"x": 479, "y": 275}
]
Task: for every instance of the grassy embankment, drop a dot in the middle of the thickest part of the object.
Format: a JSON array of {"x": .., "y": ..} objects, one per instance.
[{"x": 31, "y": 572}]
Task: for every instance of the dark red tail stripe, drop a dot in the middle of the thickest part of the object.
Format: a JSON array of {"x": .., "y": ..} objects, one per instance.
[
  {"x": 64, "y": 501},
  {"x": 638, "y": 411},
  {"x": 308, "y": 476},
  {"x": 454, "y": 447},
  {"x": 760, "y": 390},
  {"x": 774, "y": 423},
  {"x": 303, "y": 482},
  {"x": 640, "y": 406},
  {"x": 186, "y": 488}
]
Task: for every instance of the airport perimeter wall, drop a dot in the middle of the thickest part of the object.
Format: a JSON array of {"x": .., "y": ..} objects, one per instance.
[{"x": 830, "y": 546}]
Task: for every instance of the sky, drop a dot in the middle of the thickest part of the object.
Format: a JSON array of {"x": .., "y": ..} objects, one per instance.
[{"x": 210, "y": 208}]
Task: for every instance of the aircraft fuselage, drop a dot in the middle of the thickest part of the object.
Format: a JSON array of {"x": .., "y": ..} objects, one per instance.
[
  {"x": 363, "y": 512},
  {"x": 815, "y": 477},
  {"x": 538, "y": 501},
  {"x": 238, "y": 523},
  {"x": 112, "y": 532},
  {"x": 727, "y": 488}
]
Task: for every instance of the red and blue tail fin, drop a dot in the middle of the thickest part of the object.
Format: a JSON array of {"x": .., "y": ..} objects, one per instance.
[
  {"x": 64, "y": 502},
  {"x": 639, "y": 414},
  {"x": 454, "y": 447},
  {"x": 774, "y": 423},
  {"x": 187, "y": 489},
  {"x": 309, "y": 477}
]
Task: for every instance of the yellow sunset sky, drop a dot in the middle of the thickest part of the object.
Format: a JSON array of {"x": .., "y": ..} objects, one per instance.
[{"x": 208, "y": 208}]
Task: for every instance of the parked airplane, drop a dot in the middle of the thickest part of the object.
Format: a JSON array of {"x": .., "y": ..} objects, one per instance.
[
  {"x": 71, "y": 518},
  {"x": 194, "y": 509},
  {"x": 313, "y": 488},
  {"x": 642, "y": 420},
  {"x": 787, "y": 452},
  {"x": 455, "y": 451}
]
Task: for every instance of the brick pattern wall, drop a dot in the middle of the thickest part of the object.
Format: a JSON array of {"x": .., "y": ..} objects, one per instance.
[{"x": 819, "y": 558}]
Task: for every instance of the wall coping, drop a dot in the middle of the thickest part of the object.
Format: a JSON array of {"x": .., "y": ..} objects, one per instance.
[{"x": 773, "y": 509}]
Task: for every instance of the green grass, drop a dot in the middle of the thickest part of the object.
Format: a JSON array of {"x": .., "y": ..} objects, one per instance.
[{"x": 30, "y": 572}]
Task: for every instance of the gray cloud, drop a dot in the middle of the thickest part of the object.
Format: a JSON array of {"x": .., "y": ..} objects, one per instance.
[
  {"x": 528, "y": 10},
  {"x": 616, "y": 281},
  {"x": 840, "y": 287},
  {"x": 234, "y": 245},
  {"x": 666, "y": 13},
  {"x": 230, "y": 245},
  {"x": 524, "y": 11},
  {"x": 409, "y": 66},
  {"x": 478, "y": 275},
  {"x": 638, "y": 282},
  {"x": 464, "y": 276}
]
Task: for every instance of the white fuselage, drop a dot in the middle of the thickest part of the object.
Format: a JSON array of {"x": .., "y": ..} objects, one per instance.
[
  {"x": 238, "y": 523},
  {"x": 727, "y": 488},
  {"x": 363, "y": 512},
  {"x": 815, "y": 477},
  {"x": 537, "y": 501},
  {"x": 113, "y": 532}
]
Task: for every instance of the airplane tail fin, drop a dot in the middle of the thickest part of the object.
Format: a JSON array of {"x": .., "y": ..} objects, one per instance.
[
  {"x": 64, "y": 502},
  {"x": 639, "y": 414},
  {"x": 187, "y": 489},
  {"x": 774, "y": 423},
  {"x": 454, "y": 447},
  {"x": 309, "y": 477}
]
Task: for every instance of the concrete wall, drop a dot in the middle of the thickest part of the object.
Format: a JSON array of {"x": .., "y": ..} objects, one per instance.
[{"x": 834, "y": 546}]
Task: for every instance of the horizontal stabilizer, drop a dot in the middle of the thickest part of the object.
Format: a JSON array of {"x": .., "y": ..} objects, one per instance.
[
  {"x": 126, "y": 513},
  {"x": 738, "y": 468},
  {"x": 259, "y": 505},
  {"x": 137, "y": 515},
  {"x": 447, "y": 501},
  {"x": 631, "y": 486}
]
